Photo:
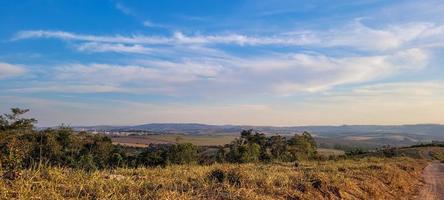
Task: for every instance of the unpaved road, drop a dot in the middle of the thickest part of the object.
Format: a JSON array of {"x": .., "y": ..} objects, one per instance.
[{"x": 434, "y": 182}]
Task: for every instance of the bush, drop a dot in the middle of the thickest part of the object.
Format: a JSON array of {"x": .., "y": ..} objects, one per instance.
[
  {"x": 183, "y": 154},
  {"x": 86, "y": 163},
  {"x": 217, "y": 175},
  {"x": 234, "y": 178}
]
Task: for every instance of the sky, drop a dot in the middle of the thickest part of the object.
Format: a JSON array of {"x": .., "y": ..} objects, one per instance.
[{"x": 281, "y": 63}]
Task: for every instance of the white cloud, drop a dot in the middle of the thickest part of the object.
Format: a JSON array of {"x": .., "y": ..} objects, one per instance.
[
  {"x": 9, "y": 70},
  {"x": 150, "y": 24},
  {"x": 314, "y": 73},
  {"x": 279, "y": 74},
  {"x": 177, "y": 38},
  {"x": 124, "y": 9},
  {"x": 69, "y": 88},
  {"x": 362, "y": 37},
  {"x": 151, "y": 75},
  {"x": 355, "y": 35},
  {"x": 110, "y": 47},
  {"x": 406, "y": 90},
  {"x": 196, "y": 65},
  {"x": 135, "y": 39}
]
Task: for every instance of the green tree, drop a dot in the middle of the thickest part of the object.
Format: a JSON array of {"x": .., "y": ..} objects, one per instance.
[
  {"x": 87, "y": 163},
  {"x": 302, "y": 146},
  {"x": 250, "y": 153},
  {"x": 241, "y": 151},
  {"x": 15, "y": 121},
  {"x": 15, "y": 140},
  {"x": 183, "y": 153},
  {"x": 278, "y": 147},
  {"x": 153, "y": 156}
]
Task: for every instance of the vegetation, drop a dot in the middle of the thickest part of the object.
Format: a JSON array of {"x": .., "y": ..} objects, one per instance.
[
  {"x": 254, "y": 147},
  {"x": 62, "y": 164},
  {"x": 22, "y": 146},
  {"x": 143, "y": 140},
  {"x": 365, "y": 178}
]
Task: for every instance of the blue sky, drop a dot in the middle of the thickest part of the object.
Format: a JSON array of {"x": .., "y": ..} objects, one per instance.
[{"x": 223, "y": 62}]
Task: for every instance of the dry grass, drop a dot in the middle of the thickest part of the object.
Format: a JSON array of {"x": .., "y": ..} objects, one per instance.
[
  {"x": 200, "y": 140},
  {"x": 431, "y": 153},
  {"x": 366, "y": 178},
  {"x": 330, "y": 152}
]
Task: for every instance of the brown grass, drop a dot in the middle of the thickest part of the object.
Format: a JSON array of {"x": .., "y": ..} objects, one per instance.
[
  {"x": 430, "y": 153},
  {"x": 366, "y": 178},
  {"x": 200, "y": 140}
]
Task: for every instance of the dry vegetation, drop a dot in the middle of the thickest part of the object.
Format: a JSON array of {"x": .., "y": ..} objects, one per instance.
[
  {"x": 200, "y": 140},
  {"x": 431, "y": 152},
  {"x": 365, "y": 178}
]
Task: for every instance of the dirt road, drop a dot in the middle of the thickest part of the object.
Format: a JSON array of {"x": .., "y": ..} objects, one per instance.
[{"x": 434, "y": 182}]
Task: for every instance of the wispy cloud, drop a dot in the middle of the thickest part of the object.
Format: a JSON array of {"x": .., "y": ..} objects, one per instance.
[
  {"x": 10, "y": 70},
  {"x": 135, "y": 39},
  {"x": 195, "y": 61},
  {"x": 322, "y": 73},
  {"x": 177, "y": 38},
  {"x": 113, "y": 47},
  {"x": 408, "y": 90},
  {"x": 355, "y": 35},
  {"x": 159, "y": 71},
  {"x": 55, "y": 87},
  {"x": 286, "y": 74},
  {"x": 151, "y": 24},
  {"x": 124, "y": 9}
]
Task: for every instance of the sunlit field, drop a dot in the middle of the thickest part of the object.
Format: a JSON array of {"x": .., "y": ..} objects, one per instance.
[{"x": 367, "y": 178}]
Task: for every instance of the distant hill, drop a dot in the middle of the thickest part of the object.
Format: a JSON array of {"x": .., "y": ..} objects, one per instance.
[
  {"x": 342, "y": 137},
  {"x": 433, "y": 130}
]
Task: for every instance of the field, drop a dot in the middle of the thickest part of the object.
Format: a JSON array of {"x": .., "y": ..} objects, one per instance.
[
  {"x": 330, "y": 152},
  {"x": 365, "y": 178},
  {"x": 200, "y": 140},
  {"x": 430, "y": 153}
]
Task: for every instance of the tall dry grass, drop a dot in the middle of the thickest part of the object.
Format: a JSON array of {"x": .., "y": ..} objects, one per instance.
[{"x": 366, "y": 178}]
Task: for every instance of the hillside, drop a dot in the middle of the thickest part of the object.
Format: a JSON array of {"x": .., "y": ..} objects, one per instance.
[
  {"x": 432, "y": 130},
  {"x": 359, "y": 135}
]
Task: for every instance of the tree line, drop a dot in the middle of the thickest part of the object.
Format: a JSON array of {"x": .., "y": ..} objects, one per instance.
[{"x": 23, "y": 146}]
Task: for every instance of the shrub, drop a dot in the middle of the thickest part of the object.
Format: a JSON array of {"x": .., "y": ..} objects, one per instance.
[
  {"x": 86, "y": 163},
  {"x": 217, "y": 175},
  {"x": 234, "y": 178}
]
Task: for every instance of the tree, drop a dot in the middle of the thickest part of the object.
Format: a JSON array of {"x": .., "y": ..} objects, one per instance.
[
  {"x": 86, "y": 162},
  {"x": 278, "y": 147},
  {"x": 15, "y": 145},
  {"x": 250, "y": 153},
  {"x": 302, "y": 146},
  {"x": 116, "y": 160},
  {"x": 221, "y": 154},
  {"x": 14, "y": 121},
  {"x": 153, "y": 156},
  {"x": 183, "y": 153},
  {"x": 241, "y": 151}
]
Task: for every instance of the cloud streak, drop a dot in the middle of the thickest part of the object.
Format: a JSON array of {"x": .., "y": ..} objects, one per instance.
[
  {"x": 111, "y": 47},
  {"x": 10, "y": 70},
  {"x": 284, "y": 74},
  {"x": 354, "y": 35}
]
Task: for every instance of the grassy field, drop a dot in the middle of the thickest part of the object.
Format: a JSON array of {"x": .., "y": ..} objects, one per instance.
[
  {"x": 365, "y": 178},
  {"x": 431, "y": 153},
  {"x": 330, "y": 152},
  {"x": 200, "y": 140}
]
